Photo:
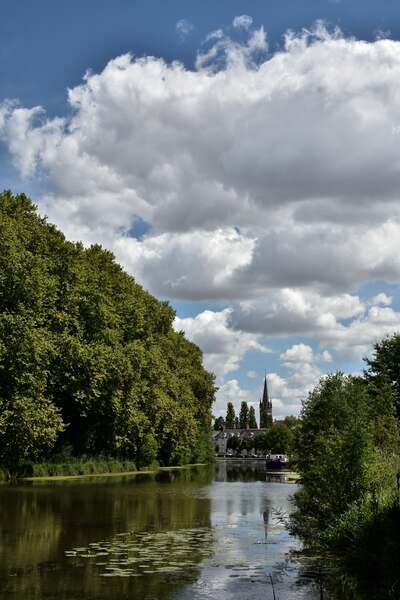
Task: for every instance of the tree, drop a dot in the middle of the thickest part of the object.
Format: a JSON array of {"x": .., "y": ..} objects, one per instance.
[
  {"x": 219, "y": 423},
  {"x": 28, "y": 428},
  {"x": 385, "y": 363},
  {"x": 237, "y": 423},
  {"x": 247, "y": 443},
  {"x": 88, "y": 359},
  {"x": 230, "y": 416},
  {"x": 252, "y": 418},
  {"x": 337, "y": 456},
  {"x": 278, "y": 439},
  {"x": 244, "y": 415},
  {"x": 233, "y": 443}
]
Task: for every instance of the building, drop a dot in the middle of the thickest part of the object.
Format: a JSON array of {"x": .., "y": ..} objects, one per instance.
[{"x": 220, "y": 438}]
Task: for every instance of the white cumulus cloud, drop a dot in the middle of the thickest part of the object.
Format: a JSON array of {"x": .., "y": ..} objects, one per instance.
[
  {"x": 267, "y": 181},
  {"x": 224, "y": 348}
]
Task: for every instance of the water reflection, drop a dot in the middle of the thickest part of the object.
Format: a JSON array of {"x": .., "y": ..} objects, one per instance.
[
  {"x": 40, "y": 523},
  {"x": 182, "y": 534}
]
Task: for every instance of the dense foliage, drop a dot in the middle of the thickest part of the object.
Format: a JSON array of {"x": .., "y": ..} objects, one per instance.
[
  {"x": 347, "y": 453},
  {"x": 89, "y": 361}
]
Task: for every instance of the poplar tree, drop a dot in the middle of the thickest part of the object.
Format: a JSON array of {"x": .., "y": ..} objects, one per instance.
[
  {"x": 230, "y": 416},
  {"x": 244, "y": 415},
  {"x": 252, "y": 418}
]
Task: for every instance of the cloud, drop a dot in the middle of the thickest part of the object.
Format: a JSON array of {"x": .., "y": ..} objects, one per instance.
[
  {"x": 287, "y": 393},
  {"x": 231, "y": 391},
  {"x": 266, "y": 180},
  {"x": 242, "y": 22},
  {"x": 342, "y": 323},
  {"x": 326, "y": 356},
  {"x": 294, "y": 311},
  {"x": 208, "y": 151},
  {"x": 187, "y": 265},
  {"x": 382, "y": 299},
  {"x": 356, "y": 339},
  {"x": 297, "y": 354},
  {"x": 223, "y": 347},
  {"x": 184, "y": 28}
]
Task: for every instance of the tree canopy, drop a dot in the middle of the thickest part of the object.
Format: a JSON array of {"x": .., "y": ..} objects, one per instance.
[{"x": 88, "y": 358}]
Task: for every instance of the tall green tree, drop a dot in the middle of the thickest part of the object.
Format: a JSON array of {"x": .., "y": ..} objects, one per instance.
[
  {"x": 230, "y": 416},
  {"x": 252, "y": 418},
  {"x": 338, "y": 450},
  {"x": 385, "y": 363},
  {"x": 88, "y": 359},
  {"x": 279, "y": 439},
  {"x": 219, "y": 423},
  {"x": 244, "y": 415},
  {"x": 237, "y": 423}
]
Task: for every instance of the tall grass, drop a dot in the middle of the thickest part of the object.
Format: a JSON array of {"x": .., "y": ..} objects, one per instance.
[{"x": 76, "y": 466}]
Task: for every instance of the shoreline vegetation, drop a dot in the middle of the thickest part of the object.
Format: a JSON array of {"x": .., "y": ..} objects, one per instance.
[
  {"x": 90, "y": 363},
  {"x": 348, "y": 456},
  {"x": 147, "y": 471}
]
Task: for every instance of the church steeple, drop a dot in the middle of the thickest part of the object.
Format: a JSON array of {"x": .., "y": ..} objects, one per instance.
[{"x": 265, "y": 407}]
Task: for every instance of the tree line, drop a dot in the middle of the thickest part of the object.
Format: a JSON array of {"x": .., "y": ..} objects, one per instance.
[
  {"x": 348, "y": 456},
  {"x": 89, "y": 361},
  {"x": 246, "y": 418},
  {"x": 279, "y": 438}
]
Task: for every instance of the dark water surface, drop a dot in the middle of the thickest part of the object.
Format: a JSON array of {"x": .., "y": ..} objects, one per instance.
[{"x": 200, "y": 533}]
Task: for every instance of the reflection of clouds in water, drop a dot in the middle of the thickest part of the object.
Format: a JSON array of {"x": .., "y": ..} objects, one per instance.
[
  {"x": 243, "y": 517},
  {"x": 250, "y": 545},
  {"x": 251, "y": 542}
]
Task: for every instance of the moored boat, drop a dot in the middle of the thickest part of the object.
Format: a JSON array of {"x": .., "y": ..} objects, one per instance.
[{"x": 276, "y": 461}]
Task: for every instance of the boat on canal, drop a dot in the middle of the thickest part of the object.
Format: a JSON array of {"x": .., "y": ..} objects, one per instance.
[{"x": 276, "y": 462}]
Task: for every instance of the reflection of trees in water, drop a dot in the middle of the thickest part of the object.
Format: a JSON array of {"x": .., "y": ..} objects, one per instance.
[
  {"x": 335, "y": 581},
  {"x": 37, "y": 525},
  {"x": 238, "y": 470},
  {"x": 299, "y": 578}
]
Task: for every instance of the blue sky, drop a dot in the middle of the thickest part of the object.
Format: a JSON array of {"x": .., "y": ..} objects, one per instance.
[{"x": 254, "y": 186}]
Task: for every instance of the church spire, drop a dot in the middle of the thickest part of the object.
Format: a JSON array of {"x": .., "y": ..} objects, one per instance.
[
  {"x": 265, "y": 396},
  {"x": 265, "y": 407}
]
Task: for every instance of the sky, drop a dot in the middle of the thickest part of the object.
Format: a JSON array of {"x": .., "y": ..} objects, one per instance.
[{"x": 241, "y": 160}]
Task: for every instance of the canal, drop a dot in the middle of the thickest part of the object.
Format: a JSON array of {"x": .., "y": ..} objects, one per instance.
[{"x": 199, "y": 533}]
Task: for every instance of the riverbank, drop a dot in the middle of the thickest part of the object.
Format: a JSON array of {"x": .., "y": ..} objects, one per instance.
[{"x": 111, "y": 474}]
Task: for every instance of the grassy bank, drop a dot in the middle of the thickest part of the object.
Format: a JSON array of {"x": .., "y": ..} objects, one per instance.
[
  {"x": 75, "y": 467},
  {"x": 106, "y": 473}
]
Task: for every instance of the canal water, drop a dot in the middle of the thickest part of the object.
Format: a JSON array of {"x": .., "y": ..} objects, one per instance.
[{"x": 198, "y": 533}]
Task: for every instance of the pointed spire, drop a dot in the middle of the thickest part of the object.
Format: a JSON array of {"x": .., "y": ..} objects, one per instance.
[
  {"x": 265, "y": 397},
  {"x": 265, "y": 406}
]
